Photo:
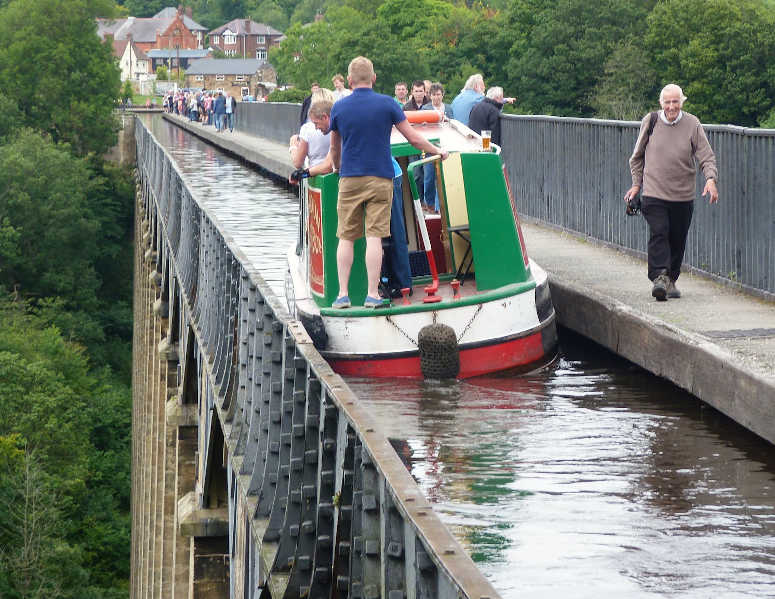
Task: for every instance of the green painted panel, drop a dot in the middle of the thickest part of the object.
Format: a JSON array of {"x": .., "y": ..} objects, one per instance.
[
  {"x": 398, "y": 308},
  {"x": 407, "y": 149},
  {"x": 497, "y": 254},
  {"x": 329, "y": 186}
]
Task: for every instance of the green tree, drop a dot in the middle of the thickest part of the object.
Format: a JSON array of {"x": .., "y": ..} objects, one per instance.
[
  {"x": 720, "y": 52},
  {"x": 32, "y": 550},
  {"x": 44, "y": 198},
  {"x": 629, "y": 86},
  {"x": 270, "y": 13},
  {"x": 127, "y": 91},
  {"x": 560, "y": 49},
  {"x": 59, "y": 74},
  {"x": 75, "y": 422},
  {"x": 143, "y": 8}
]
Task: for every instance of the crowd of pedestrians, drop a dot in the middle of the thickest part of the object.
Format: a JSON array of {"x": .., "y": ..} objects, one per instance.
[{"x": 214, "y": 108}]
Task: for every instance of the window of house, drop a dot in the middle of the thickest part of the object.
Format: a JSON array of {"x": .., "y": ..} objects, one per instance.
[
  {"x": 229, "y": 39},
  {"x": 219, "y": 78},
  {"x": 239, "y": 78},
  {"x": 261, "y": 39},
  {"x": 231, "y": 52},
  {"x": 216, "y": 39},
  {"x": 261, "y": 54}
]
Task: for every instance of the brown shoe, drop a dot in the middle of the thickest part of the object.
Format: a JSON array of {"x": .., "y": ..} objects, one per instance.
[
  {"x": 659, "y": 290},
  {"x": 672, "y": 290}
]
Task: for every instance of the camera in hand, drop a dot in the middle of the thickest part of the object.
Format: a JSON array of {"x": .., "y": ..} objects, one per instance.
[
  {"x": 299, "y": 174},
  {"x": 633, "y": 206}
]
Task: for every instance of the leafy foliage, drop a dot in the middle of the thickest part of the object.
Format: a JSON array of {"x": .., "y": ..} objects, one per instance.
[
  {"x": 722, "y": 52},
  {"x": 65, "y": 457},
  {"x": 65, "y": 308},
  {"x": 71, "y": 90}
]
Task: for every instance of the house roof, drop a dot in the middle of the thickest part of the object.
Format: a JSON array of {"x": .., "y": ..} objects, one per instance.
[
  {"x": 174, "y": 53},
  {"x": 141, "y": 30},
  {"x": 246, "y": 26},
  {"x": 119, "y": 46},
  {"x": 138, "y": 52},
  {"x": 227, "y": 66},
  {"x": 170, "y": 12}
]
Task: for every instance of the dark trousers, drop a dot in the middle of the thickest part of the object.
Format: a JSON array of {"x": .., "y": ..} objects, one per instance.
[
  {"x": 668, "y": 228},
  {"x": 396, "y": 258}
]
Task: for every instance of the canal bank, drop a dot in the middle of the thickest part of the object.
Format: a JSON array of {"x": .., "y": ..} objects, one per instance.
[{"x": 715, "y": 342}]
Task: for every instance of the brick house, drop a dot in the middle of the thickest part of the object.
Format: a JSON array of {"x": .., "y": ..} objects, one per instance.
[
  {"x": 177, "y": 31},
  {"x": 245, "y": 38},
  {"x": 232, "y": 75}
]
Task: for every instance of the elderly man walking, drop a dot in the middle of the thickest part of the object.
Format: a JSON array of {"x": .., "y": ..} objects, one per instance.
[
  {"x": 668, "y": 183},
  {"x": 360, "y": 149}
]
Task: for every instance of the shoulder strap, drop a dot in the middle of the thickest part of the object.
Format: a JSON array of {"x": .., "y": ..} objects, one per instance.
[{"x": 652, "y": 121}]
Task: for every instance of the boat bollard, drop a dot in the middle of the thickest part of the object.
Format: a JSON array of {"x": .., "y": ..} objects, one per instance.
[
  {"x": 439, "y": 354},
  {"x": 455, "y": 284},
  {"x": 405, "y": 293}
]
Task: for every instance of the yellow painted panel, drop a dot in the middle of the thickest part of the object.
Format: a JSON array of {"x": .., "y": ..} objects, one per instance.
[{"x": 455, "y": 189}]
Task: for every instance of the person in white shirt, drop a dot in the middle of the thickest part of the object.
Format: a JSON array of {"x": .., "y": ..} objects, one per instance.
[
  {"x": 340, "y": 91},
  {"x": 310, "y": 146}
]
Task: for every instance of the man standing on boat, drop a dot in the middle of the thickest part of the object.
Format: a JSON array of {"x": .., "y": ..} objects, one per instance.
[
  {"x": 668, "y": 180},
  {"x": 360, "y": 150}
]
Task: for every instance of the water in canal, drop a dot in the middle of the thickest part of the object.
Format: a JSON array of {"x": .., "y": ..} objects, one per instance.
[{"x": 589, "y": 478}]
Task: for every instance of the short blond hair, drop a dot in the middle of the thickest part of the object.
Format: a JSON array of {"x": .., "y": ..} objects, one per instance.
[
  {"x": 320, "y": 108},
  {"x": 361, "y": 70},
  {"x": 337, "y": 77},
  {"x": 322, "y": 93}
]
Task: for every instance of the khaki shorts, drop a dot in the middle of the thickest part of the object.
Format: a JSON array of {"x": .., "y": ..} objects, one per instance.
[{"x": 372, "y": 195}]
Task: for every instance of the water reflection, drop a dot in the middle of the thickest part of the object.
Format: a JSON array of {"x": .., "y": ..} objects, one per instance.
[
  {"x": 259, "y": 214},
  {"x": 590, "y": 478}
]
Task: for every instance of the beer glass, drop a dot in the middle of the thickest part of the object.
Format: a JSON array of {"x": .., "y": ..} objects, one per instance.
[{"x": 486, "y": 135}]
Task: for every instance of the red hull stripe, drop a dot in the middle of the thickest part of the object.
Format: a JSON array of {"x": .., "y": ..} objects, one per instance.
[{"x": 473, "y": 362}]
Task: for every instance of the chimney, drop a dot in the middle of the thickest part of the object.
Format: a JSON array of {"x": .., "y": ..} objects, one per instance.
[
  {"x": 189, "y": 12},
  {"x": 247, "y": 26},
  {"x": 180, "y": 10}
]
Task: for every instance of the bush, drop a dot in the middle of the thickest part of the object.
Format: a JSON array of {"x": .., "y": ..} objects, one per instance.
[
  {"x": 769, "y": 121},
  {"x": 294, "y": 94}
]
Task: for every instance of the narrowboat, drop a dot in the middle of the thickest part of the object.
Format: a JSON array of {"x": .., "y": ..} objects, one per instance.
[{"x": 478, "y": 304}]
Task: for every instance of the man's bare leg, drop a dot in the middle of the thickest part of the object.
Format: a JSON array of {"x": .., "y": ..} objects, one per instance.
[
  {"x": 373, "y": 264},
  {"x": 344, "y": 263}
]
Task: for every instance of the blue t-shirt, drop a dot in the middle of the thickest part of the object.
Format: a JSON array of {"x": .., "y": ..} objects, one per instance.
[{"x": 364, "y": 120}]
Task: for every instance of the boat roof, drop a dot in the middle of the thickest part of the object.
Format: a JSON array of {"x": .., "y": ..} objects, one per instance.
[{"x": 451, "y": 135}]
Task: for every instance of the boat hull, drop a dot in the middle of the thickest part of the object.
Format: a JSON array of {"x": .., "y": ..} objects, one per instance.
[
  {"x": 515, "y": 331},
  {"x": 523, "y": 353}
]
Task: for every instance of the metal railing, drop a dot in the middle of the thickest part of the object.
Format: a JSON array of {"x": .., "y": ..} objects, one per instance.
[
  {"x": 319, "y": 504},
  {"x": 573, "y": 173},
  {"x": 272, "y": 120}
]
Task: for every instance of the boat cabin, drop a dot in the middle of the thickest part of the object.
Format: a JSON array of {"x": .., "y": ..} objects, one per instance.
[{"x": 475, "y": 239}]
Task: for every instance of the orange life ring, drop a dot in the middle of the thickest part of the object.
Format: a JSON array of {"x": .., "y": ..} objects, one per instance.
[{"x": 422, "y": 116}]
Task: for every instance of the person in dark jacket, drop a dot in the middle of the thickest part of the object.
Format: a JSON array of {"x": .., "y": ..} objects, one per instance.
[
  {"x": 219, "y": 110},
  {"x": 306, "y": 103},
  {"x": 486, "y": 115}
]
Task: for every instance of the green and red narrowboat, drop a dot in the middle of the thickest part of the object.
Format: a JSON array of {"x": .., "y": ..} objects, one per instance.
[{"x": 471, "y": 271}]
